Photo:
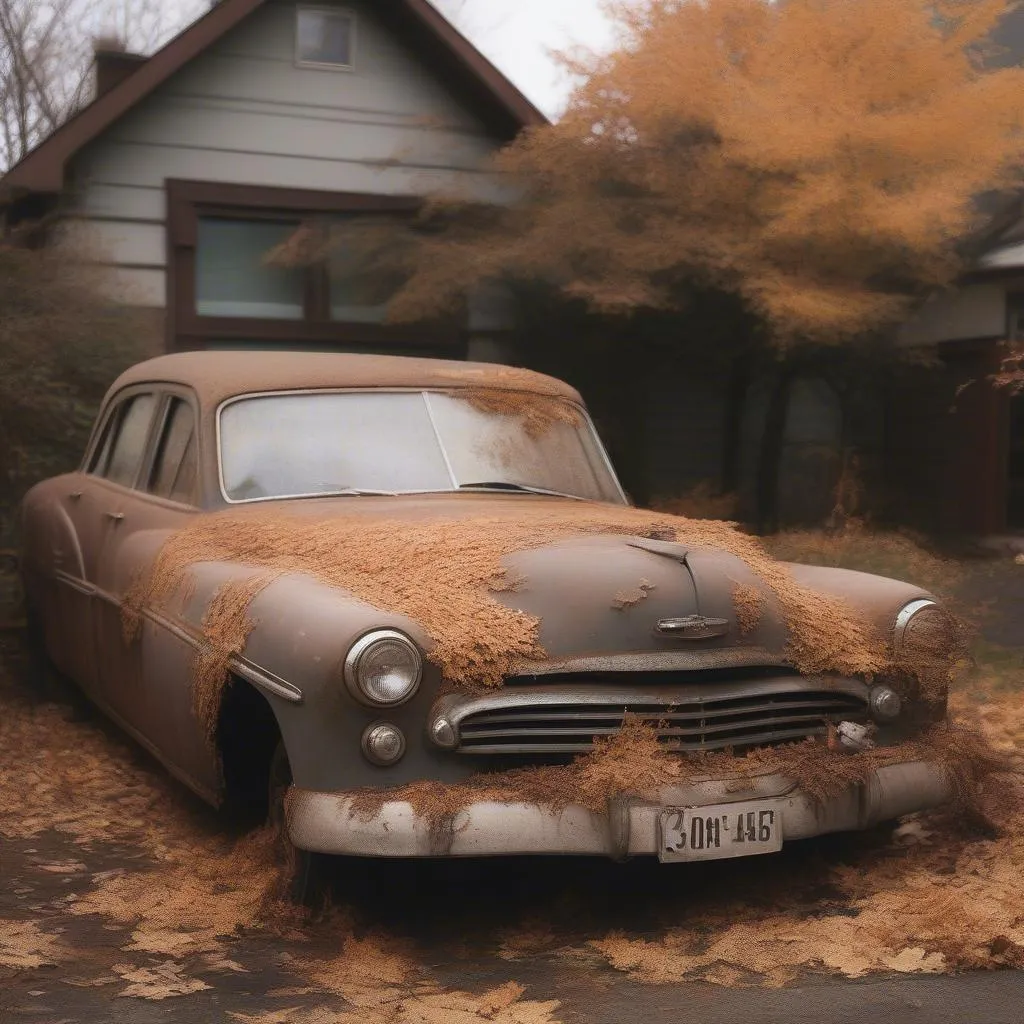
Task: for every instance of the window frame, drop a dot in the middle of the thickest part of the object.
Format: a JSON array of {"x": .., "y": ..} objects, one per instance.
[
  {"x": 223, "y": 496},
  {"x": 163, "y": 394},
  {"x": 317, "y": 65},
  {"x": 188, "y": 201},
  {"x": 111, "y": 415},
  {"x": 168, "y": 397}
]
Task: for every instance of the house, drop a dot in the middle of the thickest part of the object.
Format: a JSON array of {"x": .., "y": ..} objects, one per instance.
[{"x": 189, "y": 166}]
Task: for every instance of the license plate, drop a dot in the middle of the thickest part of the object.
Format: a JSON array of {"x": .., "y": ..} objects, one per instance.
[{"x": 724, "y": 830}]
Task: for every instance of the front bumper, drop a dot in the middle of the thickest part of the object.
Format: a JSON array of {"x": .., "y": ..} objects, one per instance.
[{"x": 329, "y": 822}]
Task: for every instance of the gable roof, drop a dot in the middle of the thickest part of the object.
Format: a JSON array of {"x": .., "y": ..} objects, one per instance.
[{"x": 502, "y": 106}]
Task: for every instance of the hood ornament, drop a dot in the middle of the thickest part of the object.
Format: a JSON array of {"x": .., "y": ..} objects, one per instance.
[{"x": 693, "y": 627}]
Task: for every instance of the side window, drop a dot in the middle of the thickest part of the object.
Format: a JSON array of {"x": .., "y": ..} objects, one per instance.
[
  {"x": 176, "y": 467},
  {"x": 124, "y": 441}
]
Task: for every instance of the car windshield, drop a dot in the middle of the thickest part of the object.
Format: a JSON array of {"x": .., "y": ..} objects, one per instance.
[{"x": 312, "y": 444}]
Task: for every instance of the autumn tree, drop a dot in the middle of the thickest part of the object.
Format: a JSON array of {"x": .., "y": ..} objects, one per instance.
[{"x": 817, "y": 160}]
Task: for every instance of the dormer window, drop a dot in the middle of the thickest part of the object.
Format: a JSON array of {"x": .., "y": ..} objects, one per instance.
[{"x": 324, "y": 37}]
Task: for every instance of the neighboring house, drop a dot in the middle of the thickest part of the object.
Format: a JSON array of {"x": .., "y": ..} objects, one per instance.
[
  {"x": 959, "y": 449},
  {"x": 265, "y": 114}
]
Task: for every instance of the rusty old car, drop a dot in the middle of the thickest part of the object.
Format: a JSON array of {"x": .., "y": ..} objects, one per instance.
[{"x": 331, "y": 693}]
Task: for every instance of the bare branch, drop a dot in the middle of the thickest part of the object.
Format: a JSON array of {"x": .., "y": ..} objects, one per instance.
[{"x": 46, "y": 57}]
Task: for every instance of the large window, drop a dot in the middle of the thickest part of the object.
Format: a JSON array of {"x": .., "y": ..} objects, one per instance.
[
  {"x": 233, "y": 274},
  {"x": 286, "y": 268}
]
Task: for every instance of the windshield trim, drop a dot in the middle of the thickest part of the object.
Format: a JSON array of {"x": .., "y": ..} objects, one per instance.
[{"x": 425, "y": 392}]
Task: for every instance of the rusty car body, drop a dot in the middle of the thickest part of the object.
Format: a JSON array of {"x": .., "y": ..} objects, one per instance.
[{"x": 344, "y": 691}]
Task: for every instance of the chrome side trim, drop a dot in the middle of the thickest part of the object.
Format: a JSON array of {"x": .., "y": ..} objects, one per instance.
[
  {"x": 182, "y": 634},
  {"x": 250, "y": 672},
  {"x": 265, "y": 680},
  {"x": 75, "y": 584}
]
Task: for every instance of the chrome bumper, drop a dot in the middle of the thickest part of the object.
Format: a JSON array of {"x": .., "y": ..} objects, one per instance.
[{"x": 328, "y": 822}]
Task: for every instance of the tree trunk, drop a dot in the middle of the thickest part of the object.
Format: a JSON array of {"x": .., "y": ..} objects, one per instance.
[
  {"x": 736, "y": 404},
  {"x": 773, "y": 439}
]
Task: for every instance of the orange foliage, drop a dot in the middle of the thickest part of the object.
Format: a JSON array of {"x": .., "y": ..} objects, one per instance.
[{"x": 818, "y": 158}]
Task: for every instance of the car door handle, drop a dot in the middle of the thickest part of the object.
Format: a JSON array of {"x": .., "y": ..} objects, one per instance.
[{"x": 116, "y": 516}]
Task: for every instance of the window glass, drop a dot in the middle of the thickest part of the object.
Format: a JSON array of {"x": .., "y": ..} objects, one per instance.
[
  {"x": 290, "y": 445},
  {"x": 308, "y": 444},
  {"x": 174, "y": 472},
  {"x": 233, "y": 277},
  {"x": 102, "y": 454},
  {"x": 364, "y": 269},
  {"x": 559, "y": 454},
  {"x": 325, "y": 37},
  {"x": 130, "y": 434}
]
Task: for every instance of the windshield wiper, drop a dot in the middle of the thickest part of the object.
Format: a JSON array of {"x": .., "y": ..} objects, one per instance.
[
  {"x": 356, "y": 492},
  {"x": 503, "y": 485}
]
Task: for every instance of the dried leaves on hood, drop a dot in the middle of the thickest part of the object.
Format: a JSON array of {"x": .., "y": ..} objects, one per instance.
[{"x": 444, "y": 571}]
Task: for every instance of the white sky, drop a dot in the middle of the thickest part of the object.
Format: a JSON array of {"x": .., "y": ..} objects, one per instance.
[{"x": 517, "y": 35}]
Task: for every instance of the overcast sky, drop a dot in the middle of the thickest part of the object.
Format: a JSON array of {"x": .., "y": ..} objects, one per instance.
[{"x": 517, "y": 35}]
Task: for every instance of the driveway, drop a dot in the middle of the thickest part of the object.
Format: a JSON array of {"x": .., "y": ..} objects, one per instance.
[{"x": 125, "y": 899}]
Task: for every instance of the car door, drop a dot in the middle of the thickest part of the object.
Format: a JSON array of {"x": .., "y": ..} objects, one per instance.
[
  {"x": 114, "y": 477},
  {"x": 84, "y": 517},
  {"x": 163, "y": 497}
]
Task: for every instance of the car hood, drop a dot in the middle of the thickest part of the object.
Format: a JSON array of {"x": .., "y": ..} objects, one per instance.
[{"x": 615, "y": 595}]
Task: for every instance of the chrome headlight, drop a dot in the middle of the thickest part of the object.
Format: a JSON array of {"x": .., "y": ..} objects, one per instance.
[
  {"x": 925, "y": 633},
  {"x": 383, "y": 668}
]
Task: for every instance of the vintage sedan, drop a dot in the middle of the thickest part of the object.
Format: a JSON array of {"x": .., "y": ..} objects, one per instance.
[{"x": 369, "y": 653}]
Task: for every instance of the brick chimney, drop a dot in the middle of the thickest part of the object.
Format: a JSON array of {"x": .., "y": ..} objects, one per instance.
[{"x": 113, "y": 63}]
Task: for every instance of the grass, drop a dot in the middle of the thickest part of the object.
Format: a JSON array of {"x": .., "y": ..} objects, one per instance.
[{"x": 896, "y": 554}]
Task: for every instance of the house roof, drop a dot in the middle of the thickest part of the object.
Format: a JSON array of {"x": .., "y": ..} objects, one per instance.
[
  {"x": 217, "y": 376},
  {"x": 503, "y": 107}
]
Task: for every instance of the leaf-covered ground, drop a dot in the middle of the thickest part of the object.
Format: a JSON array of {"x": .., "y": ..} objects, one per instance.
[{"x": 119, "y": 886}]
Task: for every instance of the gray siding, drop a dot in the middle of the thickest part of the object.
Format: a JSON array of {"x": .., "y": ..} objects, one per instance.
[
  {"x": 973, "y": 311},
  {"x": 243, "y": 112}
]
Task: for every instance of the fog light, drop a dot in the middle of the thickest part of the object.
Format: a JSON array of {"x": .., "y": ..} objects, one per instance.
[
  {"x": 383, "y": 744},
  {"x": 442, "y": 733},
  {"x": 886, "y": 704}
]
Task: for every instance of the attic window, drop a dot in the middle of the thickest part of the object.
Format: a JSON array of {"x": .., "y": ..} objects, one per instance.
[{"x": 324, "y": 37}]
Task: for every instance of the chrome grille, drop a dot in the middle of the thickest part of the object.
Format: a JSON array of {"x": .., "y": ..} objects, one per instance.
[{"x": 539, "y": 721}]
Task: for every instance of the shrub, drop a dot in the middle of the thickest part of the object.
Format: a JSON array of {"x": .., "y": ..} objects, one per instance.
[{"x": 62, "y": 342}]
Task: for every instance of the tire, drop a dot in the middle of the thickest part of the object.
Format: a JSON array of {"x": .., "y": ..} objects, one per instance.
[{"x": 304, "y": 873}]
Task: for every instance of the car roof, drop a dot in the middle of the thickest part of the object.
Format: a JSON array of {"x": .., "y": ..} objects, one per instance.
[{"x": 218, "y": 376}]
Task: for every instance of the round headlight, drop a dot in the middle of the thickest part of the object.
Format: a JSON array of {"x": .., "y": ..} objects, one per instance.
[
  {"x": 383, "y": 668},
  {"x": 925, "y": 633}
]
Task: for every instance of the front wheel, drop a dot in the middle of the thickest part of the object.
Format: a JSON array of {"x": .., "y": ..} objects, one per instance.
[{"x": 305, "y": 873}]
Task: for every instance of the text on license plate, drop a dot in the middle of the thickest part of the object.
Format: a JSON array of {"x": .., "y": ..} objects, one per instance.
[{"x": 723, "y": 830}]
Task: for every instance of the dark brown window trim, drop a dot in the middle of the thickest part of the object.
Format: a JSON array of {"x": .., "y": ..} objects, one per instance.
[{"x": 187, "y": 201}]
